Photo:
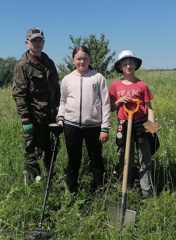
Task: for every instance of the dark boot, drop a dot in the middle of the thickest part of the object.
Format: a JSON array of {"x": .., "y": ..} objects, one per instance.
[{"x": 31, "y": 172}]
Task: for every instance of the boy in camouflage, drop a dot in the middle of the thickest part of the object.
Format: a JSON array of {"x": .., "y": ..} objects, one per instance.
[{"x": 37, "y": 94}]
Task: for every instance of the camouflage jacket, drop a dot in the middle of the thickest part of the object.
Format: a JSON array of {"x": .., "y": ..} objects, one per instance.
[{"x": 36, "y": 89}]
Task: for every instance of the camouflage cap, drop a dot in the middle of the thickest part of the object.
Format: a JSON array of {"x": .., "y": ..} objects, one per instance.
[{"x": 33, "y": 33}]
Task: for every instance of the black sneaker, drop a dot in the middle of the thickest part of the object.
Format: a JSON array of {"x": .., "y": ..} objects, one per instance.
[{"x": 30, "y": 174}]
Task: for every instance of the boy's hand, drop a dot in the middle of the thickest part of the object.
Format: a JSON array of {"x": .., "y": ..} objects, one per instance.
[
  {"x": 28, "y": 127},
  {"x": 151, "y": 127},
  {"x": 122, "y": 100},
  {"x": 125, "y": 99}
]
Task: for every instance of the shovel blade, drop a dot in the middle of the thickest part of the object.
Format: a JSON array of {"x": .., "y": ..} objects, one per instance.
[{"x": 117, "y": 219}]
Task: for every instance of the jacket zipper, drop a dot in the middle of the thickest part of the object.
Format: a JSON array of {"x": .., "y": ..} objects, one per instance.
[
  {"x": 49, "y": 100},
  {"x": 80, "y": 116}
]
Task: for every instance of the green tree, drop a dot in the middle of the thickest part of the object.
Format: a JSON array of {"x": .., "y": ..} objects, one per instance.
[
  {"x": 99, "y": 50},
  {"x": 6, "y": 70}
]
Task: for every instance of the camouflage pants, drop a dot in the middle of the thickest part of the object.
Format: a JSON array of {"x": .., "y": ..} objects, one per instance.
[{"x": 35, "y": 146}]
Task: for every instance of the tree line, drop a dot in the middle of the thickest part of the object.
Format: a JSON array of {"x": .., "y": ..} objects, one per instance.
[
  {"x": 101, "y": 58},
  {"x": 6, "y": 70}
]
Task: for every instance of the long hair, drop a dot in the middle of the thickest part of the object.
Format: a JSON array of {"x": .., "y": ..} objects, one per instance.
[{"x": 84, "y": 49}]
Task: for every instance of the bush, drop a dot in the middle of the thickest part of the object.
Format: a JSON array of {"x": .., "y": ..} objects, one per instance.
[{"x": 6, "y": 70}]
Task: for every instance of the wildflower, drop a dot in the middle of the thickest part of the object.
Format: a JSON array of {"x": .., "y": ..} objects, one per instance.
[{"x": 38, "y": 178}]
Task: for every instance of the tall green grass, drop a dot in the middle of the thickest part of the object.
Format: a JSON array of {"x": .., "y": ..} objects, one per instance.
[{"x": 85, "y": 216}]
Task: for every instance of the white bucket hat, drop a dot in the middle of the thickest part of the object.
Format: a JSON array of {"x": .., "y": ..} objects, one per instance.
[{"x": 124, "y": 54}]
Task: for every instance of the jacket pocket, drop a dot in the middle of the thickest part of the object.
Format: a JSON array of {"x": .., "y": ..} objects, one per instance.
[{"x": 37, "y": 83}]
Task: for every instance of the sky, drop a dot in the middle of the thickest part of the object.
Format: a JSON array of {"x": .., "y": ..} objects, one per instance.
[{"x": 146, "y": 27}]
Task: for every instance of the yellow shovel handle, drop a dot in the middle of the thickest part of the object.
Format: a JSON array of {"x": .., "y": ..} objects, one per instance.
[
  {"x": 131, "y": 112},
  {"x": 128, "y": 143}
]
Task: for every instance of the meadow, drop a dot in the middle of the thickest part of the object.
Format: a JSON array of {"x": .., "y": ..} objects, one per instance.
[{"x": 85, "y": 216}]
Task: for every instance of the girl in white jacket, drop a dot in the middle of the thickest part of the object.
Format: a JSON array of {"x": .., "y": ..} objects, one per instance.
[{"x": 85, "y": 114}]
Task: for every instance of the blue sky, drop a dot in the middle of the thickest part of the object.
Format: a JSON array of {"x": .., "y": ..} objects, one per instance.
[{"x": 147, "y": 27}]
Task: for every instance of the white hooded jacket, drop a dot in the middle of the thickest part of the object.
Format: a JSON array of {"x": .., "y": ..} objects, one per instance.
[{"x": 85, "y": 100}]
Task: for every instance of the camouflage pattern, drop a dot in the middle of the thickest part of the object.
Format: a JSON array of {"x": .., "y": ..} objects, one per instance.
[
  {"x": 35, "y": 145},
  {"x": 37, "y": 95},
  {"x": 36, "y": 89}
]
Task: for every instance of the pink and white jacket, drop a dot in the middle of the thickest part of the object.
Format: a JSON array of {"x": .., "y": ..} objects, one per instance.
[{"x": 85, "y": 100}]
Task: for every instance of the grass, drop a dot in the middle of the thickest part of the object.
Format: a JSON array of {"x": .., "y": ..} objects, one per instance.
[{"x": 85, "y": 216}]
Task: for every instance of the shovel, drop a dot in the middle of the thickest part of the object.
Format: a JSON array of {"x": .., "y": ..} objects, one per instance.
[{"x": 121, "y": 216}]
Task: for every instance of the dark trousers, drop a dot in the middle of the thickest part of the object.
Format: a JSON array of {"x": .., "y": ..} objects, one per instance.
[
  {"x": 35, "y": 145},
  {"x": 144, "y": 158},
  {"x": 74, "y": 139}
]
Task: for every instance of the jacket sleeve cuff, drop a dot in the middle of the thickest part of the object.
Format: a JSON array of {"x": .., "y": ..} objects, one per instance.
[
  {"x": 60, "y": 118},
  {"x": 106, "y": 130},
  {"x": 26, "y": 122}
]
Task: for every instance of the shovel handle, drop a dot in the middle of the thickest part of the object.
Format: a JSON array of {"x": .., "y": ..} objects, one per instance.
[
  {"x": 131, "y": 112},
  {"x": 128, "y": 142}
]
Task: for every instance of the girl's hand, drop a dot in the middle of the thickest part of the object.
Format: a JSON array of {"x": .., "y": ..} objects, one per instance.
[
  {"x": 61, "y": 123},
  {"x": 104, "y": 137}
]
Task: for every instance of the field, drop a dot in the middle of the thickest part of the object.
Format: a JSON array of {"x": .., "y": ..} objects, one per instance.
[{"x": 85, "y": 216}]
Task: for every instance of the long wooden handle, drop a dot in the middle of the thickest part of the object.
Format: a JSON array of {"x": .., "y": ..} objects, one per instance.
[
  {"x": 127, "y": 156},
  {"x": 128, "y": 143}
]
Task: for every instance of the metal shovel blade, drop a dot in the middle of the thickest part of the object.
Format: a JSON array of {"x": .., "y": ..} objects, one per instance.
[{"x": 117, "y": 219}]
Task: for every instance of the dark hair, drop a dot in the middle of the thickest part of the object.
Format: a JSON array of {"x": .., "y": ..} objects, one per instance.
[{"x": 81, "y": 48}]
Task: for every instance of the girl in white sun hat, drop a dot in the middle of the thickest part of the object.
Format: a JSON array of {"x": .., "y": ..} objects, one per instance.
[{"x": 122, "y": 91}]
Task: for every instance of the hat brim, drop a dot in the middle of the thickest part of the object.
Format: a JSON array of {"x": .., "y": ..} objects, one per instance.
[
  {"x": 138, "y": 63},
  {"x": 35, "y": 36}
]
